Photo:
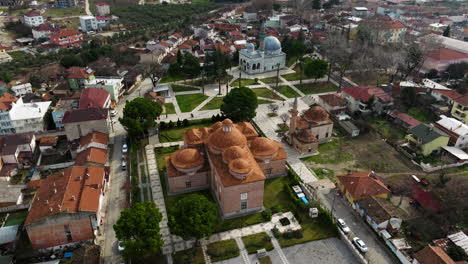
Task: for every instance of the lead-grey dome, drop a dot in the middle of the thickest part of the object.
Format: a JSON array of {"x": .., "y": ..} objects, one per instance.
[{"x": 271, "y": 44}]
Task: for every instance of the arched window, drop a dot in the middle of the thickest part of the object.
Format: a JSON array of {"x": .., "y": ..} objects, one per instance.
[
  {"x": 254, "y": 67},
  {"x": 258, "y": 65}
]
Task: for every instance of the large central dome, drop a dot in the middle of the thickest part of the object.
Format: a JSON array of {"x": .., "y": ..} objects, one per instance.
[{"x": 271, "y": 44}]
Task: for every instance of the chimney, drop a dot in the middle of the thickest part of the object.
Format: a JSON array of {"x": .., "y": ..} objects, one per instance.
[
  {"x": 87, "y": 175},
  {"x": 50, "y": 209},
  {"x": 73, "y": 198},
  {"x": 47, "y": 201},
  {"x": 55, "y": 190}
]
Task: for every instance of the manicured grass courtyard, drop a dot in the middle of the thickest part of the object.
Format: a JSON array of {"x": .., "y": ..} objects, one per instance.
[
  {"x": 257, "y": 241},
  {"x": 288, "y": 91},
  {"x": 316, "y": 87},
  {"x": 263, "y": 101},
  {"x": 420, "y": 115},
  {"x": 169, "y": 108},
  {"x": 189, "y": 256},
  {"x": 177, "y": 133},
  {"x": 161, "y": 153},
  {"x": 295, "y": 76},
  {"x": 180, "y": 88},
  {"x": 244, "y": 82},
  {"x": 265, "y": 93},
  {"x": 270, "y": 80},
  {"x": 169, "y": 78},
  {"x": 188, "y": 102},
  {"x": 215, "y": 103},
  {"x": 222, "y": 250}
]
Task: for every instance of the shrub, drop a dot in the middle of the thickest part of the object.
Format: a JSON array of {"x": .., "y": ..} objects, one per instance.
[
  {"x": 287, "y": 235},
  {"x": 256, "y": 80},
  {"x": 179, "y": 123},
  {"x": 170, "y": 125},
  {"x": 276, "y": 232},
  {"x": 267, "y": 214},
  {"x": 186, "y": 123},
  {"x": 277, "y": 209},
  {"x": 297, "y": 234},
  {"x": 162, "y": 125},
  {"x": 284, "y": 221}
]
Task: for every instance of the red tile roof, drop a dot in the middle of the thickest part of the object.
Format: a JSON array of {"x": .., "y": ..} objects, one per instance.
[
  {"x": 48, "y": 141},
  {"x": 94, "y": 137},
  {"x": 426, "y": 199},
  {"x": 83, "y": 115},
  {"x": 407, "y": 119},
  {"x": 463, "y": 100},
  {"x": 362, "y": 184},
  {"x": 32, "y": 13},
  {"x": 364, "y": 93},
  {"x": 394, "y": 24},
  {"x": 433, "y": 255},
  {"x": 333, "y": 99},
  {"x": 93, "y": 97},
  {"x": 74, "y": 189},
  {"x": 452, "y": 94},
  {"x": 66, "y": 33},
  {"x": 79, "y": 73},
  {"x": 6, "y": 100},
  {"x": 92, "y": 155},
  {"x": 447, "y": 54}
]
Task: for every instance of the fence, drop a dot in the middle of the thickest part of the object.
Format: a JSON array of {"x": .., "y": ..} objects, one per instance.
[
  {"x": 397, "y": 252},
  {"x": 429, "y": 168},
  {"x": 13, "y": 208}
]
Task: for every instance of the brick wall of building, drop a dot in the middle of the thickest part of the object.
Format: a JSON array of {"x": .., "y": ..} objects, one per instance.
[
  {"x": 274, "y": 168},
  {"x": 197, "y": 181},
  {"x": 50, "y": 232},
  {"x": 230, "y": 198}
]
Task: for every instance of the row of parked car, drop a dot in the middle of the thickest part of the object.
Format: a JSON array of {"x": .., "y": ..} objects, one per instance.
[
  {"x": 360, "y": 245},
  {"x": 124, "y": 153},
  {"x": 298, "y": 191}
]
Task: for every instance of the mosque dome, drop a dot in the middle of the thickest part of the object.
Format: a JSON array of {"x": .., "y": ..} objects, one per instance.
[
  {"x": 271, "y": 44},
  {"x": 263, "y": 147},
  {"x": 250, "y": 47},
  {"x": 234, "y": 152},
  {"x": 240, "y": 168},
  {"x": 226, "y": 136},
  {"x": 316, "y": 114},
  {"x": 188, "y": 158}
]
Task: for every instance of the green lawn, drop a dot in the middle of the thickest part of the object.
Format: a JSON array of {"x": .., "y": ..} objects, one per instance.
[
  {"x": 237, "y": 222},
  {"x": 244, "y": 82},
  {"x": 264, "y": 92},
  {"x": 215, "y": 103},
  {"x": 169, "y": 108},
  {"x": 222, "y": 250},
  {"x": 257, "y": 241},
  {"x": 274, "y": 194},
  {"x": 180, "y": 88},
  {"x": 16, "y": 218},
  {"x": 265, "y": 260},
  {"x": 317, "y": 87},
  {"x": 386, "y": 128},
  {"x": 295, "y": 76},
  {"x": 330, "y": 153},
  {"x": 161, "y": 153},
  {"x": 270, "y": 80},
  {"x": 263, "y": 101},
  {"x": 188, "y": 102},
  {"x": 288, "y": 91},
  {"x": 55, "y": 12},
  {"x": 177, "y": 133},
  {"x": 189, "y": 256},
  {"x": 291, "y": 61},
  {"x": 420, "y": 115},
  {"x": 169, "y": 78}
]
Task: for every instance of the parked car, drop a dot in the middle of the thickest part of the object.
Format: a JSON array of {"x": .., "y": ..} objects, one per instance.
[
  {"x": 124, "y": 164},
  {"x": 297, "y": 189},
  {"x": 120, "y": 247},
  {"x": 360, "y": 244},
  {"x": 343, "y": 226},
  {"x": 113, "y": 112},
  {"x": 124, "y": 148},
  {"x": 303, "y": 198}
]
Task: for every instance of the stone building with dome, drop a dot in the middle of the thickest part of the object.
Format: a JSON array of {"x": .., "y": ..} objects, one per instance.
[
  {"x": 309, "y": 129},
  {"x": 265, "y": 59},
  {"x": 229, "y": 159}
]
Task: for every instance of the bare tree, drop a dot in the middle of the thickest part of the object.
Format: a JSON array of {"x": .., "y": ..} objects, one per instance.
[
  {"x": 284, "y": 117},
  {"x": 273, "y": 107}
]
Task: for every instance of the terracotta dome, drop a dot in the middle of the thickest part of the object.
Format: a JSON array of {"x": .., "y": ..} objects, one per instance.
[
  {"x": 306, "y": 136},
  {"x": 187, "y": 158},
  {"x": 234, "y": 152},
  {"x": 263, "y": 147},
  {"x": 240, "y": 166},
  {"x": 216, "y": 125},
  {"x": 316, "y": 114},
  {"x": 226, "y": 136}
]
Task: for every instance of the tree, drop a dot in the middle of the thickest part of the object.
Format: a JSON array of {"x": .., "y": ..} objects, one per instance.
[
  {"x": 432, "y": 74},
  {"x": 284, "y": 117},
  {"x": 180, "y": 58},
  {"x": 273, "y": 107},
  {"x": 457, "y": 253},
  {"x": 446, "y": 32},
  {"x": 315, "y": 68},
  {"x": 71, "y": 60},
  {"x": 240, "y": 104},
  {"x": 139, "y": 115},
  {"x": 193, "y": 216},
  {"x": 138, "y": 230},
  {"x": 457, "y": 70},
  {"x": 191, "y": 66},
  {"x": 316, "y": 4},
  {"x": 408, "y": 95}
]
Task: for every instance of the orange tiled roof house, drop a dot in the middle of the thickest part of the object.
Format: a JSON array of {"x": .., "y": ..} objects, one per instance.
[{"x": 231, "y": 160}]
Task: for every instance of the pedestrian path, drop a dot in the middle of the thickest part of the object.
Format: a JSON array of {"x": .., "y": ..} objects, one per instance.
[
  {"x": 273, "y": 90},
  {"x": 288, "y": 83},
  {"x": 168, "y": 144},
  {"x": 176, "y": 106},
  {"x": 278, "y": 248},
  {"x": 243, "y": 252},
  {"x": 200, "y": 106}
]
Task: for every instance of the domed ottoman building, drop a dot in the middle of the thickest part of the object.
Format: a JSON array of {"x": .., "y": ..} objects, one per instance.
[
  {"x": 265, "y": 59},
  {"x": 306, "y": 131},
  {"x": 231, "y": 160}
]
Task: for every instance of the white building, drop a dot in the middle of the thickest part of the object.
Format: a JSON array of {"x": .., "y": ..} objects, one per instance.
[
  {"x": 360, "y": 11},
  {"x": 28, "y": 117},
  {"x": 43, "y": 31},
  {"x": 102, "y": 9},
  {"x": 268, "y": 59},
  {"x": 457, "y": 131},
  {"x": 88, "y": 23},
  {"x": 113, "y": 85},
  {"x": 21, "y": 89},
  {"x": 4, "y": 56},
  {"x": 33, "y": 18}
]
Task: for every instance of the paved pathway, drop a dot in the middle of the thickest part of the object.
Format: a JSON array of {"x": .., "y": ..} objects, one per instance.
[
  {"x": 288, "y": 83},
  {"x": 200, "y": 106},
  {"x": 273, "y": 90},
  {"x": 278, "y": 248},
  {"x": 243, "y": 252}
]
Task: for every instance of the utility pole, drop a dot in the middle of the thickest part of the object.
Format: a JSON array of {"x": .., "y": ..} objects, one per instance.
[{"x": 240, "y": 76}]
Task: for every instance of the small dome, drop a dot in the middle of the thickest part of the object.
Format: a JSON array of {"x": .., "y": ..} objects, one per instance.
[
  {"x": 234, "y": 152},
  {"x": 271, "y": 44},
  {"x": 227, "y": 122},
  {"x": 263, "y": 147},
  {"x": 216, "y": 125},
  {"x": 306, "y": 136},
  {"x": 316, "y": 114},
  {"x": 226, "y": 136},
  {"x": 187, "y": 158},
  {"x": 250, "y": 47},
  {"x": 240, "y": 166}
]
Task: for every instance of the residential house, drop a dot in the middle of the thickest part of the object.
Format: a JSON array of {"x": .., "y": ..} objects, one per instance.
[
  {"x": 379, "y": 213},
  {"x": 65, "y": 3},
  {"x": 446, "y": 96},
  {"x": 441, "y": 58},
  {"x": 360, "y": 11},
  {"x": 81, "y": 122},
  {"x": 43, "y": 31},
  {"x": 6, "y": 101},
  {"x": 91, "y": 156},
  {"x": 78, "y": 76},
  {"x": 457, "y": 131},
  {"x": 66, "y": 38},
  {"x": 392, "y": 31},
  {"x": 93, "y": 140},
  {"x": 404, "y": 120},
  {"x": 176, "y": 39},
  {"x": 432, "y": 255},
  {"x": 17, "y": 149},
  {"x": 21, "y": 89},
  {"x": 250, "y": 15},
  {"x": 333, "y": 103},
  {"x": 67, "y": 207},
  {"x": 62, "y": 106},
  {"x": 102, "y": 9},
  {"x": 11, "y": 2},
  {"x": 460, "y": 108},
  {"x": 366, "y": 99},
  {"x": 359, "y": 185},
  {"x": 94, "y": 97},
  {"x": 113, "y": 85},
  {"x": 48, "y": 144},
  {"x": 28, "y": 117},
  {"x": 33, "y": 18},
  {"x": 4, "y": 56},
  {"x": 426, "y": 139},
  {"x": 88, "y": 23}
]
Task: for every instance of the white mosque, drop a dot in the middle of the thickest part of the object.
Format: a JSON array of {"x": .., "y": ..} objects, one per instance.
[{"x": 265, "y": 59}]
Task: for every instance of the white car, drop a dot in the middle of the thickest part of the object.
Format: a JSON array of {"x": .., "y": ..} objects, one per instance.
[
  {"x": 343, "y": 225},
  {"x": 124, "y": 148},
  {"x": 360, "y": 244},
  {"x": 113, "y": 112},
  {"x": 120, "y": 247}
]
